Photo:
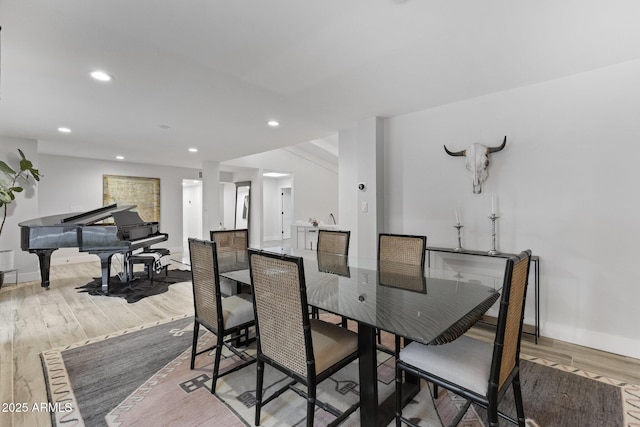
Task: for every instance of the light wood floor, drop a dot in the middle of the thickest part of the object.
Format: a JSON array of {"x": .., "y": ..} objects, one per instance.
[{"x": 33, "y": 320}]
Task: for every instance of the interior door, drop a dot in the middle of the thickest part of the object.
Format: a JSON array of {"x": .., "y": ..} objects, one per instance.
[{"x": 285, "y": 195}]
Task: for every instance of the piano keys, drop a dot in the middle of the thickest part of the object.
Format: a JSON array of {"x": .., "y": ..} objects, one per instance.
[{"x": 88, "y": 232}]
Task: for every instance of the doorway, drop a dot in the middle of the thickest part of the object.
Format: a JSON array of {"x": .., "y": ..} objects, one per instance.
[
  {"x": 285, "y": 205},
  {"x": 191, "y": 211},
  {"x": 277, "y": 207}
]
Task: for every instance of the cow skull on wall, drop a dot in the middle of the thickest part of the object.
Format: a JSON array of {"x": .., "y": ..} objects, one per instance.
[{"x": 477, "y": 161}]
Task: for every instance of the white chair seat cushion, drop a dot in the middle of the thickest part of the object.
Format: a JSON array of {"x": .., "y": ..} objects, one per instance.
[
  {"x": 464, "y": 361},
  {"x": 237, "y": 310},
  {"x": 331, "y": 343}
]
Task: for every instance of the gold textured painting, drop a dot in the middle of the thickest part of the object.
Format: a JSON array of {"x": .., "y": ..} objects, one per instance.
[{"x": 133, "y": 190}]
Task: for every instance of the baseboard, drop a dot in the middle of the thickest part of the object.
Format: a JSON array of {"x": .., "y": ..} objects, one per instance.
[{"x": 605, "y": 342}]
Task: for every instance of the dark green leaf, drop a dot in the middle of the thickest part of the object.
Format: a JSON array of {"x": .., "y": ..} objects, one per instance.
[
  {"x": 25, "y": 165},
  {"x": 6, "y": 168}
]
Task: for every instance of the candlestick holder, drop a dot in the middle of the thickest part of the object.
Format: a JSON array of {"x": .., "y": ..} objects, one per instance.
[
  {"x": 459, "y": 247},
  {"x": 493, "y": 250}
]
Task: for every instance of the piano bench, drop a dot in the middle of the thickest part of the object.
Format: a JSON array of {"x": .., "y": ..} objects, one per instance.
[{"x": 149, "y": 259}]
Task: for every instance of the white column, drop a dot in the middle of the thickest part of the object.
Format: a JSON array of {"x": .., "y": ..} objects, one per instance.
[
  {"x": 370, "y": 172},
  {"x": 361, "y": 162},
  {"x": 210, "y": 197}
]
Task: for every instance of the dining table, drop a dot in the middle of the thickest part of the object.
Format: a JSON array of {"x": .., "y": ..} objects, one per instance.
[{"x": 430, "y": 306}]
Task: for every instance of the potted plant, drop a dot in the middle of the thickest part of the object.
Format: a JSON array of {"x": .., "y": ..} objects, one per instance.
[{"x": 11, "y": 182}]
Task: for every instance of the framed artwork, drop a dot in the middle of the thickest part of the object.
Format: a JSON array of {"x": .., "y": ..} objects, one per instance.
[
  {"x": 243, "y": 191},
  {"x": 133, "y": 190}
]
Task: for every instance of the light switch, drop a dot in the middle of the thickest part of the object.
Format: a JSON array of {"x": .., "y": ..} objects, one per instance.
[{"x": 365, "y": 207}]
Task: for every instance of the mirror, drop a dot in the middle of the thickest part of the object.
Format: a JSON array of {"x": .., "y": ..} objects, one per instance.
[{"x": 243, "y": 192}]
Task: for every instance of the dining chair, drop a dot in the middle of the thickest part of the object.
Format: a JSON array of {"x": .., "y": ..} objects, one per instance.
[
  {"x": 334, "y": 242},
  {"x": 236, "y": 239},
  {"x": 232, "y": 248},
  {"x": 475, "y": 370},
  {"x": 402, "y": 249},
  {"x": 307, "y": 350},
  {"x": 228, "y": 318}
]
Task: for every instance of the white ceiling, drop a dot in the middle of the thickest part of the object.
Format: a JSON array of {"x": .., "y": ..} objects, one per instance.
[{"x": 216, "y": 71}]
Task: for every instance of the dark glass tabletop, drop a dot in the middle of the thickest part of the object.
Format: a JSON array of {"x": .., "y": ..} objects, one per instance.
[{"x": 402, "y": 299}]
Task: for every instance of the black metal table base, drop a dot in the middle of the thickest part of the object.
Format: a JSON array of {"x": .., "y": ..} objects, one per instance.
[{"x": 372, "y": 413}]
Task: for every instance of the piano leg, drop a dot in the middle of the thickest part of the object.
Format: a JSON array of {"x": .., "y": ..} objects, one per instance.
[
  {"x": 127, "y": 269},
  {"x": 105, "y": 265},
  {"x": 44, "y": 259}
]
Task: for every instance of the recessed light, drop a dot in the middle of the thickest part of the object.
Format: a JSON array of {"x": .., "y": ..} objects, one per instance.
[
  {"x": 193, "y": 150},
  {"x": 274, "y": 174},
  {"x": 273, "y": 123},
  {"x": 64, "y": 130},
  {"x": 120, "y": 157},
  {"x": 101, "y": 76}
]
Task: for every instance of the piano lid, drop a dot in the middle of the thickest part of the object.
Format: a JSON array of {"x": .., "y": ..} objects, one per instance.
[{"x": 84, "y": 218}]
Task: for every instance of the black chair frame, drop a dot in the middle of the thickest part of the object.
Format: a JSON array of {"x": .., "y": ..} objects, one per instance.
[
  {"x": 239, "y": 334},
  {"x": 494, "y": 393},
  {"x": 381, "y": 236},
  {"x": 312, "y": 379}
]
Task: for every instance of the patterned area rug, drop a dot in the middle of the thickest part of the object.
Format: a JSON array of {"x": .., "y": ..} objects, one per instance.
[
  {"x": 178, "y": 384},
  {"x": 141, "y": 376}
]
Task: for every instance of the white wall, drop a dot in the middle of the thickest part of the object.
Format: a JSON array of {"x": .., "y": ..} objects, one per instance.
[
  {"x": 72, "y": 183},
  {"x": 347, "y": 191},
  {"x": 566, "y": 186}
]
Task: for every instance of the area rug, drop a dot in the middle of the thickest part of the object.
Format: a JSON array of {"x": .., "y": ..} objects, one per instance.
[
  {"x": 140, "y": 287},
  {"x": 141, "y": 376}
]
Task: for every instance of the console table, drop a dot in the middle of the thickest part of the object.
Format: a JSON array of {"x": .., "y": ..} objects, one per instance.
[{"x": 535, "y": 260}]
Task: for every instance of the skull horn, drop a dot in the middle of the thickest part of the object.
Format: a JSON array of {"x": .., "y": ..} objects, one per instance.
[
  {"x": 496, "y": 149},
  {"x": 456, "y": 153}
]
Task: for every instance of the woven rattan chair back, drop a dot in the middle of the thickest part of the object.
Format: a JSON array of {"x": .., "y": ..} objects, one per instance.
[
  {"x": 401, "y": 248},
  {"x": 206, "y": 283},
  {"x": 510, "y": 319},
  {"x": 333, "y": 242},
  {"x": 231, "y": 247},
  {"x": 280, "y": 306},
  {"x": 230, "y": 239}
]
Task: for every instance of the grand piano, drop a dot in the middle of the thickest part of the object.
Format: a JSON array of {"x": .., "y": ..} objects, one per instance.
[{"x": 86, "y": 232}]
